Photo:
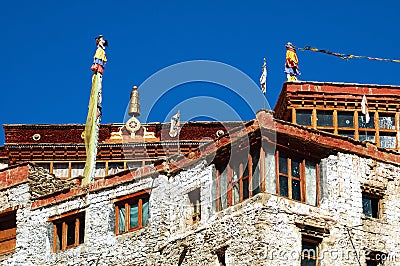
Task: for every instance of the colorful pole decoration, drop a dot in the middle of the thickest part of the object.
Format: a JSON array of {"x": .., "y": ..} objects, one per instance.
[
  {"x": 292, "y": 63},
  {"x": 92, "y": 126}
]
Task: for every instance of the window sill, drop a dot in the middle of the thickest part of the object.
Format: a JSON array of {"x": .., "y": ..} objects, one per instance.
[
  {"x": 136, "y": 229},
  {"x": 368, "y": 218},
  {"x": 68, "y": 248}
]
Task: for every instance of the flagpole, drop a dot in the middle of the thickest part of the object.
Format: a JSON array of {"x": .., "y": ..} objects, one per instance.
[{"x": 92, "y": 126}]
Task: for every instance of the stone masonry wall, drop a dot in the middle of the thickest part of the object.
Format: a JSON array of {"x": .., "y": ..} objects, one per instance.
[{"x": 263, "y": 230}]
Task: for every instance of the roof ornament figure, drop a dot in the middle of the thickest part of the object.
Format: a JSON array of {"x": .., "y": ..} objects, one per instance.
[
  {"x": 263, "y": 78},
  {"x": 292, "y": 63},
  {"x": 99, "y": 58}
]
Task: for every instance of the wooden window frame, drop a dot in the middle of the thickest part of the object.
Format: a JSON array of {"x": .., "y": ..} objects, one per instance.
[
  {"x": 231, "y": 183},
  {"x": 62, "y": 221},
  {"x": 373, "y": 197},
  {"x": 240, "y": 180},
  {"x": 11, "y": 232},
  {"x": 356, "y": 130},
  {"x": 126, "y": 201},
  {"x": 289, "y": 176}
]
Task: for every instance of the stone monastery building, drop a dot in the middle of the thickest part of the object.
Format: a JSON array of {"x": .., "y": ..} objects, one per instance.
[{"x": 312, "y": 182}]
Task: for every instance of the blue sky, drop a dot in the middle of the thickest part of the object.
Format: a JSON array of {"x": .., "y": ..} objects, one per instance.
[{"x": 47, "y": 49}]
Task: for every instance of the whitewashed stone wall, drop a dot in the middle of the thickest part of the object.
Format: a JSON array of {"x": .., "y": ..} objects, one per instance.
[{"x": 263, "y": 230}]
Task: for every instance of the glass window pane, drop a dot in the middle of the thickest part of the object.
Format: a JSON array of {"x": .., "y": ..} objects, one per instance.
[
  {"x": 283, "y": 163},
  {"x": 60, "y": 170},
  {"x": 115, "y": 167},
  {"x": 256, "y": 173},
  {"x": 245, "y": 170},
  {"x": 77, "y": 169},
  {"x": 133, "y": 215},
  {"x": 245, "y": 188},
  {"x": 121, "y": 219},
  {"x": 214, "y": 191},
  {"x": 386, "y": 121},
  {"x": 145, "y": 211},
  {"x": 370, "y": 136},
  {"x": 224, "y": 189},
  {"x": 295, "y": 167},
  {"x": 304, "y": 117},
  {"x": 311, "y": 183},
  {"x": 100, "y": 170},
  {"x": 81, "y": 229},
  {"x": 324, "y": 118},
  {"x": 349, "y": 134},
  {"x": 59, "y": 237},
  {"x": 387, "y": 140},
  {"x": 71, "y": 232},
  {"x": 283, "y": 186},
  {"x": 296, "y": 190},
  {"x": 235, "y": 193},
  {"x": 345, "y": 119},
  {"x": 310, "y": 248},
  {"x": 367, "y": 207},
  {"x": 309, "y": 253},
  {"x": 362, "y": 122},
  {"x": 308, "y": 262},
  {"x": 134, "y": 165},
  {"x": 375, "y": 207},
  {"x": 235, "y": 171},
  {"x": 372, "y": 263},
  {"x": 270, "y": 171}
]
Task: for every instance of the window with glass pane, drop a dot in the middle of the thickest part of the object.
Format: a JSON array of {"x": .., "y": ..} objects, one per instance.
[
  {"x": 283, "y": 175},
  {"x": 223, "y": 180},
  {"x": 345, "y": 119},
  {"x": 77, "y": 169},
  {"x": 69, "y": 231},
  {"x": 366, "y": 135},
  {"x": 309, "y": 252},
  {"x": 100, "y": 170},
  {"x": 295, "y": 174},
  {"x": 256, "y": 173},
  {"x": 302, "y": 174},
  {"x": 235, "y": 183},
  {"x": 60, "y": 170},
  {"x": 134, "y": 165},
  {"x": 245, "y": 181},
  {"x": 115, "y": 167},
  {"x": 324, "y": 118},
  {"x": 194, "y": 199},
  {"x": 349, "y": 134},
  {"x": 362, "y": 123},
  {"x": 131, "y": 213},
  {"x": 387, "y": 140},
  {"x": 386, "y": 121},
  {"x": 304, "y": 117},
  {"x": 370, "y": 205}
]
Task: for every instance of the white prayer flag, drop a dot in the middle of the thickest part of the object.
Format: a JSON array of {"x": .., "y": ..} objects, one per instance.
[
  {"x": 364, "y": 109},
  {"x": 175, "y": 123},
  {"x": 263, "y": 78}
]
